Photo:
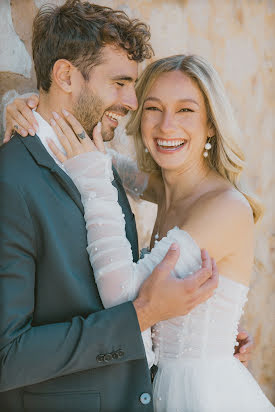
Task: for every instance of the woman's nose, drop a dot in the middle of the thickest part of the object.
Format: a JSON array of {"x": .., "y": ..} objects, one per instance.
[{"x": 167, "y": 124}]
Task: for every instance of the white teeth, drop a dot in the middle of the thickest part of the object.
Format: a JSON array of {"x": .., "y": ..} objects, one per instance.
[
  {"x": 170, "y": 142},
  {"x": 113, "y": 115}
]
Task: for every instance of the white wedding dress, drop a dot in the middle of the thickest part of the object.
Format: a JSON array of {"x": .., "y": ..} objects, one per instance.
[{"x": 197, "y": 371}]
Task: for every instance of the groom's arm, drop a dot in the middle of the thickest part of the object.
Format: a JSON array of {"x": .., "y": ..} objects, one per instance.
[{"x": 31, "y": 354}]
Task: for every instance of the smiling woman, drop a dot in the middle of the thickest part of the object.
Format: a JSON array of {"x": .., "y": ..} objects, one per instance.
[
  {"x": 177, "y": 114},
  {"x": 182, "y": 102}
]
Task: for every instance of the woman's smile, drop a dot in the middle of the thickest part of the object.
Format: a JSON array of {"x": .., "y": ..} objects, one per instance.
[{"x": 169, "y": 146}]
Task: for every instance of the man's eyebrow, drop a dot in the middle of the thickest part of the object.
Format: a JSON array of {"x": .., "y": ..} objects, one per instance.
[
  {"x": 156, "y": 99},
  {"x": 124, "y": 77}
]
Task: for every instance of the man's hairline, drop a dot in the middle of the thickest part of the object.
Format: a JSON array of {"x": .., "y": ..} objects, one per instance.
[{"x": 101, "y": 60}]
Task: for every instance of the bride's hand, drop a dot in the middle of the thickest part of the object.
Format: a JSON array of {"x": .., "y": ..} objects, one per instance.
[
  {"x": 20, "y": 118},
  {"x": 73, "y": 137}
]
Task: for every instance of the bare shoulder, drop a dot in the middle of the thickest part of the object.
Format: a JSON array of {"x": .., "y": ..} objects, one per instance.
[
  {"x": 226, "y": 206},
  {"x": 220, "y": 221}
]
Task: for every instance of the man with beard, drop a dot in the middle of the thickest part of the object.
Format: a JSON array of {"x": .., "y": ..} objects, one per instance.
[{"x": 60, "y": 350}]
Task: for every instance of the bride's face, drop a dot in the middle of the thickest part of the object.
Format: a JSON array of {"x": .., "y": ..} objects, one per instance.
[{"x": 174, "y": 123}]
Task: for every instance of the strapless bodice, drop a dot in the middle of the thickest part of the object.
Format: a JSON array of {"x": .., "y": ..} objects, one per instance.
[{"x": 210, "y": 329}]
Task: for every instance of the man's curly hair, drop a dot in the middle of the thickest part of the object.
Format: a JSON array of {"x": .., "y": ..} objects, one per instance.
[{"x": 77, "y": 31}]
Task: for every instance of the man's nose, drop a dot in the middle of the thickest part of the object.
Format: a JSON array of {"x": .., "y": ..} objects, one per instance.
[{"x": 130, "y": 100}]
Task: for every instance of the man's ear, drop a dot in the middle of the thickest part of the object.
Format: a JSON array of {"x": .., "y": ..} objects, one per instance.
[{"x": 61, "y": 75}]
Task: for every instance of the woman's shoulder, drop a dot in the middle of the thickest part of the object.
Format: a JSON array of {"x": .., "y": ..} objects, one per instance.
[
  {"x": 224, "y": 202},
  {"x": 220, "y": 220}
]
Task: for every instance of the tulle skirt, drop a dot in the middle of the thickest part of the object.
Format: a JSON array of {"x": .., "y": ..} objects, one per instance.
[{"x": 210, "y": 385}]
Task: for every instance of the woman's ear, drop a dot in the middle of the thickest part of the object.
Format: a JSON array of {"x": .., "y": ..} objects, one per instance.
[
  {"x": 211, "y": 130},
  {"x": 61, "y": 75}
]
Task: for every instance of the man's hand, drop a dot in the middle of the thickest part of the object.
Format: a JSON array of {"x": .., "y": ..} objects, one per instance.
[
  {"x": 244, "y": 350},
  {"x": 19, "y": 117},
  {"x": 163, "y": 296}
]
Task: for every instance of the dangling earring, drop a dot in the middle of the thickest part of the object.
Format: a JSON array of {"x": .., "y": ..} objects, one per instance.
[
  {"x": 146, "y": 150},
  {"x": 207, "y": 147}
]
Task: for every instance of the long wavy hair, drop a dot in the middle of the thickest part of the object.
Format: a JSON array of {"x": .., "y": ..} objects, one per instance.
[{"x": 225, "y": 155}]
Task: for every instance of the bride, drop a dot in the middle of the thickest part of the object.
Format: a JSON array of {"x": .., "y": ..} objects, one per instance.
[{"x": 186, "y": 141}]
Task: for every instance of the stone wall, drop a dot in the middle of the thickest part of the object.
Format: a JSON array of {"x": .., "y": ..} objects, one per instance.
[{"x": 237, "y": 36}]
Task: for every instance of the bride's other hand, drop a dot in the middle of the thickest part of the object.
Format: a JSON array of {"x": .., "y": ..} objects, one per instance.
[
  {"x": 73, "y": 137},
  {"x": 245, "y": 348},
  {"x": 19, "y": 117}
]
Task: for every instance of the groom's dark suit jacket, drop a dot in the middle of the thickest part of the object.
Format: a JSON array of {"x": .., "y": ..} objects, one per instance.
[{"x": 60, "y": 350}]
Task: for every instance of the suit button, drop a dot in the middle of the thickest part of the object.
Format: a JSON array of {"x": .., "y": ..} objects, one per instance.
[
  {"x": 100, "y": 358},
  {"x": 145, "y": 398},
  {"x": 120, "y": 353},
  {"x": 107, "y": 357},
  {"x": 115, "y": 355}
]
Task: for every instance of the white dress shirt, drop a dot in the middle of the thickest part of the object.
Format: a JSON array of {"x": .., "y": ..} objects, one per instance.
[{"x": 45, "y": 131}]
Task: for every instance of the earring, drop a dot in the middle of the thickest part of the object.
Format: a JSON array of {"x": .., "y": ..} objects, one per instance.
[
  {"x": 146, "y": 150},
  {"x": 207, "y": 148}
]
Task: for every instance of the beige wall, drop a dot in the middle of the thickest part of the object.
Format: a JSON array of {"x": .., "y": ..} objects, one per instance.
[{"x": 237, "y": 36}]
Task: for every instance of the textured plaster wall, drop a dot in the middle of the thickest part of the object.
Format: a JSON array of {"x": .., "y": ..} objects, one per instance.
[{"x": 237, "y": 36}]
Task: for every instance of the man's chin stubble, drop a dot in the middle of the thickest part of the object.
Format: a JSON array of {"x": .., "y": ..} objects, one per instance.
[{"x": 108, "y": 134}]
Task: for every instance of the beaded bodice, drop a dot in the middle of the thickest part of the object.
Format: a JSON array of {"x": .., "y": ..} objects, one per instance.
[{"x": 210, "y": 329}]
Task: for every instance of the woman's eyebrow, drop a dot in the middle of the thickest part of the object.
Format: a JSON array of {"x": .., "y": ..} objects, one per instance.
[{"x": 156, "y": 99}]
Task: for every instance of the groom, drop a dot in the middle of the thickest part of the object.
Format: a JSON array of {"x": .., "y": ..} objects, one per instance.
[{"x": 60, "y": 350}]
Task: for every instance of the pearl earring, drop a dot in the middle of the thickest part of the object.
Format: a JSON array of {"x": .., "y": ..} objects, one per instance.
[{"x": 207, "y": 148}]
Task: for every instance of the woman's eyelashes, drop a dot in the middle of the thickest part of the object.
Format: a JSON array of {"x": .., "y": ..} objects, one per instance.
[
  {"x": 186, "y": 110},
  {"x": 152, "y": 108}
]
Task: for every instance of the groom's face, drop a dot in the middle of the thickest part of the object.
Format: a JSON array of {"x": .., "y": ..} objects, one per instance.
[{"x": 109, "y": 93}]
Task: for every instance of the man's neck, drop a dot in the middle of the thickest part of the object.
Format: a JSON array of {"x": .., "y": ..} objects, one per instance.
[{"x": 51, "y": 102}]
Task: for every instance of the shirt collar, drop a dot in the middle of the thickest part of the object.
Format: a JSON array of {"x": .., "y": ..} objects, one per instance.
[{"x": 45, "y": 131}]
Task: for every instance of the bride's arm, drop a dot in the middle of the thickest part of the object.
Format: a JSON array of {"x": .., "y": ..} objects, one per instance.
[{"x": 118, "y": 278}]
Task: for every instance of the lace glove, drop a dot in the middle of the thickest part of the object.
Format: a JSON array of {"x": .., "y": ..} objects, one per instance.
[
  {"x": 134, "y": 181},
  {"x": 118, "y": 278}
]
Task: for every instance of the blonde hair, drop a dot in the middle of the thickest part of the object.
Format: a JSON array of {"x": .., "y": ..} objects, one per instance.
[{"x": 225, "y": 155}]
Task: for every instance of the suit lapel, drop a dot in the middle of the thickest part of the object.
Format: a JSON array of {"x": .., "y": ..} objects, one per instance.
[
  {"x": 131, "y": 230},
  {"x": 43, "y": 159},
  {"x": 68, "y": 185}
]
